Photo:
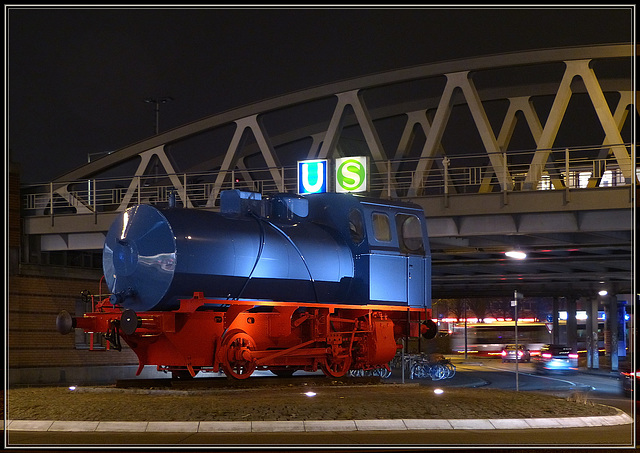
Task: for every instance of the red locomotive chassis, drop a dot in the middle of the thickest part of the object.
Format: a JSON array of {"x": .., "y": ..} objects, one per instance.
[{"x": 239, "y": 337}]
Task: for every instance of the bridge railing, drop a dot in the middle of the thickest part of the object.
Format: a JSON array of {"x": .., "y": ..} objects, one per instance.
[{"x": 464, "y": 174}]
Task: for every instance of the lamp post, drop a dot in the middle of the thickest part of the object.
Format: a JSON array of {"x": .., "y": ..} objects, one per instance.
[
  {"x": 516, "y": 254},
  {"x": 90, "y": 190},
  {"x": 157, "y": 102},
  {"x": 516, "y": 297},
  {"x": 465, "y": 330}
]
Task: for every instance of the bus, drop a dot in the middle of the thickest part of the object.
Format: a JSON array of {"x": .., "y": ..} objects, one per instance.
[{"x": 488, "y": 339}]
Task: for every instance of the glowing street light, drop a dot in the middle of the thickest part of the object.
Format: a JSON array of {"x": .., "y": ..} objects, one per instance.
[{"x": 516, "y": 254}]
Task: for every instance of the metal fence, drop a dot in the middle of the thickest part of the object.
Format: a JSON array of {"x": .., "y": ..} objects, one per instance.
[{"x": 567, "y": 168}]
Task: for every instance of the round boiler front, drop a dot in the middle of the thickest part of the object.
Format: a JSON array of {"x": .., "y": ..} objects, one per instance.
[{"x": 139, "y": 257}]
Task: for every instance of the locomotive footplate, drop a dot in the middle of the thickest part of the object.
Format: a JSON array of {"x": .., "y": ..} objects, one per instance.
[{"x": 238, "y": 337}]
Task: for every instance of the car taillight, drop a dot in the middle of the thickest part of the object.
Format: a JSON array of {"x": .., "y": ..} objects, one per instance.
[
  {"x": 573, "y": 356},
  {"x": 546, "y": 356},
  {"x": 520, "y": 353},
  {"x": 504, "y": 353}
]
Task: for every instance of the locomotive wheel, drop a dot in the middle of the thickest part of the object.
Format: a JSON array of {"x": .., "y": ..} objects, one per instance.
[
  {"x": 336, "y": 366},
  {"x": 237, "y": 361}
]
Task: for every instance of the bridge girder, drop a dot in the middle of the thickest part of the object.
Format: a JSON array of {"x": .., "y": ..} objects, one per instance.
[{"x": 459, "y": 76}]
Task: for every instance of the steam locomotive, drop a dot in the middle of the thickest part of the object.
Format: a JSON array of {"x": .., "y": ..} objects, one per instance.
[{"x": 282, "y": 283}]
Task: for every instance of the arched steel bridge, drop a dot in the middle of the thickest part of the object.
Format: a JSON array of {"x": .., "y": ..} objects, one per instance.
[{"x": 530, "y": 150}]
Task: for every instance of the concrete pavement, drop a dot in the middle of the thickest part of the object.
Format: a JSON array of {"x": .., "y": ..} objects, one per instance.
[
  {"x": 610, "y": 436},
  {"x": 316, "y": 425}
]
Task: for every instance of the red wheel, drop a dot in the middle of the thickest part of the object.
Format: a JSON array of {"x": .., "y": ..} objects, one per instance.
[
  {"x": 237, "y": 359},
  {"x": 336, "y": 366}
]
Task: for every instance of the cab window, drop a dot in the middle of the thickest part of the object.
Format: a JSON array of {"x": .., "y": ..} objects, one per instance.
[
  {"x": 410, "y": 231},
  {"x": 381, "y": 227}
]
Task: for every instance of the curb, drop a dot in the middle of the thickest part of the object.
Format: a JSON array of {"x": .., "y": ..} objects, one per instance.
[{"x": 621, "y": 418}]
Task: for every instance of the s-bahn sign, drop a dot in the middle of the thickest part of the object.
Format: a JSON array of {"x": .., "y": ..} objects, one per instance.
[
  {"x": 352, "y": 174},
  {"x": 312, "y": 176}
]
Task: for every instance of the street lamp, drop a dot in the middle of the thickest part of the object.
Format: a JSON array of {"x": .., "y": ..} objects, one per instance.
[
  {"x": 516, "y": 254},
  {"x": 157, "y": 102}
]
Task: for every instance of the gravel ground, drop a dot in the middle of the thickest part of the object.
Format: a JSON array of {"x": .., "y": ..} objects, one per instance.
[{"x": 381, "y": 401}]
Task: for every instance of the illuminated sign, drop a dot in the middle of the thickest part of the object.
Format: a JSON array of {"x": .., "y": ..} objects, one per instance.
[
  {"x": 351, "y": 174},
  {"x": 312, "y": 176}
]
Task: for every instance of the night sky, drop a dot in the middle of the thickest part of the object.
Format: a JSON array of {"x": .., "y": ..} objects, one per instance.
[{"x": 77, "y": 78}]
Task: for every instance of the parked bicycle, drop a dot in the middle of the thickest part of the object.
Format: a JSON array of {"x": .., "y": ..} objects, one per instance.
[
  {"x": 421, "y": 366},
  {"x": 381, "y": 372}
]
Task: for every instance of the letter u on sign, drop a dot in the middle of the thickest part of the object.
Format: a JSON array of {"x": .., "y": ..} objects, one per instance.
[{"x": 312, "y": 176}]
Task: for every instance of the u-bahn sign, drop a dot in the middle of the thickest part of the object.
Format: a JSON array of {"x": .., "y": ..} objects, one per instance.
[
  {"x": 312, "y": 176},
  {"x": 352, "y": 174}
]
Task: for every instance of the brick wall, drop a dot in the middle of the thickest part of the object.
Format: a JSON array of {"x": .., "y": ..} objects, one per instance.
[
  {"x": 37, "y": 353},
  {"x": 14, "y": 208},
  {"x": 33, "y": 304}
]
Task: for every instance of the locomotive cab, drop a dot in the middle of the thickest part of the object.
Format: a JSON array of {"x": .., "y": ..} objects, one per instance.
[{"x": 389, "y": 244}]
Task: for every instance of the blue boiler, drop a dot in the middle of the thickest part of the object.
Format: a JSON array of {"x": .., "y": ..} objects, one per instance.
[{"x": 322, "y": 248}]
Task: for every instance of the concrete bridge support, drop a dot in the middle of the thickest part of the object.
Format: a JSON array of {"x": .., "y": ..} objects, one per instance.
[
  {"x": 612, "y": 321},
  {"x": 555, "y": 332},
  {"x": 572, "y": 322},
  {"x": 593, "y": 358}
]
